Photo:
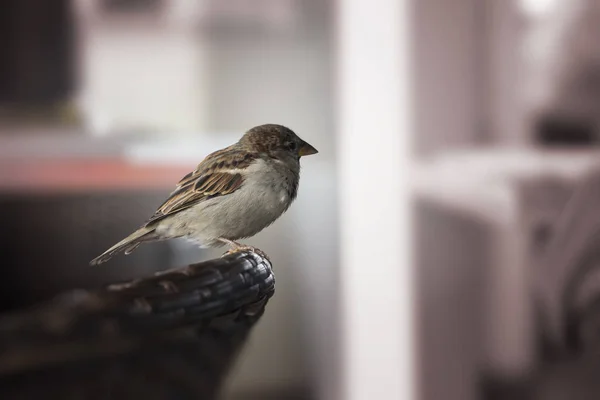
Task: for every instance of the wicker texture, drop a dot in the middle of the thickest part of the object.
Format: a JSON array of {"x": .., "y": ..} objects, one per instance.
[{"x": 170, "y": 336}]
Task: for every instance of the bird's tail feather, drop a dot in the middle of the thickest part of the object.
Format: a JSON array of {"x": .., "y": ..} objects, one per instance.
[{"x": 127, "y": 245}]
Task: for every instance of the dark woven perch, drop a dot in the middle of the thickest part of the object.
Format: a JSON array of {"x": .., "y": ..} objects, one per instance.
[{"x": 170, "y": 336}]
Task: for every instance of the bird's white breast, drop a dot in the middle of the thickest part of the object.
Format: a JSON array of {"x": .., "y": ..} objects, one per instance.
[{"x": 263, "y": 197}]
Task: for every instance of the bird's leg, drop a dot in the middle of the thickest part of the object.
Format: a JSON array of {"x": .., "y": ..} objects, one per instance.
[
  {"x": 238, "y": 247},
  {"x": 235, "y": 245}
]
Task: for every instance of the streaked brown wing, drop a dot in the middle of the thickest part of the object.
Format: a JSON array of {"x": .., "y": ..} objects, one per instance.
[{"x": 218, "y": 175}]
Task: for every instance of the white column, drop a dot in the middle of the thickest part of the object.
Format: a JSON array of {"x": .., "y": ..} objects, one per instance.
[{"x": 375, "y": 122}]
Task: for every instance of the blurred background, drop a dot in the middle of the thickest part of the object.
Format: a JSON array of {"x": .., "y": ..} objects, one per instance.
[{"x": 106, "y": 104}]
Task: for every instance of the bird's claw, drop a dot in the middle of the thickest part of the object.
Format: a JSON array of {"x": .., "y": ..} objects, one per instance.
[{"x": 240, "y": 249}]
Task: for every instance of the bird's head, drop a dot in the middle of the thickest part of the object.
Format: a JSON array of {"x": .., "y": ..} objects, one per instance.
[{"x": 277, "y": 142}]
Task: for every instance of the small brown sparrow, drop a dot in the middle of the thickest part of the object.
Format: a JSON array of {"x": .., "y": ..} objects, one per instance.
[{"x": 233, "y": 193}]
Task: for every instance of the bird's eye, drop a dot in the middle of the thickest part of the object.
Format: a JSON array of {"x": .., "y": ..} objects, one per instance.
[{"x": 292, "y": 146}]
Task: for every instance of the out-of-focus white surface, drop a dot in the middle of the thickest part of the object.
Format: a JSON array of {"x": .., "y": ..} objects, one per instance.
[
  {"x": 375, "y": 124},
  {"x": 143, "y": 69},
  {"x": 535, "y": 8},
  {"x": 482, "y": 182},
  {"x": 136, "y": 148}
]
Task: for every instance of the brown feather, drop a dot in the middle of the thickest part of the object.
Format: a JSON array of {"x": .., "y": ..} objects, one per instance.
[{"x": 212, "y": 177}]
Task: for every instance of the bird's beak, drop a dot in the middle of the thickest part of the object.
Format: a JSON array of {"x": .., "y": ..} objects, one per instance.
[{"x": 306, "y": 150}]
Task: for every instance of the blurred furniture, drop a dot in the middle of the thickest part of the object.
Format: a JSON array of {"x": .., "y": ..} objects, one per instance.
[
  {"x": 37, "y": 48},
  {"x": 169, "y": 336},
  {"x": 49, "y": 238},
  {"x": 512, "y": 199},
  {"x": 560, "y": 76},
  {"x": 567, "y": 274},
  {"x": 568, "y": 296},
  {"x": 571, "y": 379},
  {"x": 63, "y": 200}
]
